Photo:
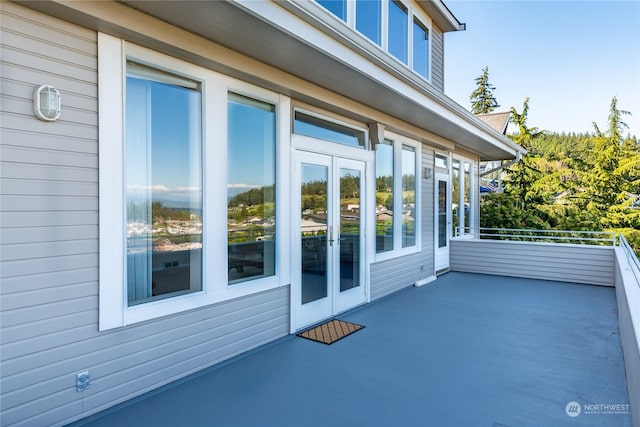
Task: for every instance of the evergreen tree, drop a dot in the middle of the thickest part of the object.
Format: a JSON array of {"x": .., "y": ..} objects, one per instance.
[{"x": 482, "y": 99}]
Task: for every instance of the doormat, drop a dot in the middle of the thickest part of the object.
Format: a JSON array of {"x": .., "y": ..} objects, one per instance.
[{"x": 331, "y": 331}]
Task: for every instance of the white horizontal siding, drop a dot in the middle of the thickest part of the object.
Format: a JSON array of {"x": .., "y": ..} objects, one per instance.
[
  {"x": 562, "y": 262},
  {"x": 49, "y": 250}
]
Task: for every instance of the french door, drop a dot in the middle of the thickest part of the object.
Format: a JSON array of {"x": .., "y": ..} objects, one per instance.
[{"x": 329, "y": 248}]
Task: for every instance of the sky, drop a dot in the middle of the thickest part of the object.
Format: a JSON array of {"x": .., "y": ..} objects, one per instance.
[{"x": 569, "y": 57}]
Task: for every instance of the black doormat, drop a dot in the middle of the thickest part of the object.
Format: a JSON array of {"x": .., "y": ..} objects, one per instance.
[{"x": 331, "y": 331}]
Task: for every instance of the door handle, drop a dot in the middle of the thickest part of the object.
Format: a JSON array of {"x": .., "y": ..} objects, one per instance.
[{"x": 331, "y": 235}]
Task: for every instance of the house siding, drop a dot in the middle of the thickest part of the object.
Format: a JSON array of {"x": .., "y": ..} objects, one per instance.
[
  {"x": 437, "y": 57},
  {"x": 49, "y": 250},
  {"x": 561, "y": 262},
  {"x": 394, "y": 274}
]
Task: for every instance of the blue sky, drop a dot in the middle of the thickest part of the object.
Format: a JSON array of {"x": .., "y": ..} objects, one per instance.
[{"x": 569, "y": 57}]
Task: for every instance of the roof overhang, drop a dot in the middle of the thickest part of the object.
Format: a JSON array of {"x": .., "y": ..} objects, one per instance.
[{"x": 297, "y": 38}]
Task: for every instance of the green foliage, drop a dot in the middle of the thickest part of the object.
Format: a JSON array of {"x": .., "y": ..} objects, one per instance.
[
  {"x": 161, "y": 213},
  {"x": 482, "y": 99},
  {"x": 503, "y": 210},
  {"x": 586, "y": 181}
]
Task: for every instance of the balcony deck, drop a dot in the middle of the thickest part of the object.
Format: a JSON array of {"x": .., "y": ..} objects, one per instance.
[{"x": 465, "y": 350}]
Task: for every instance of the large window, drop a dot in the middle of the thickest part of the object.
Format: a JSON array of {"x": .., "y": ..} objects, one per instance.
[
  {"x": 384, "y": 196},
  {"x": 408, "y": 196},
  {"x": 189, "y": 186},
  {"x": 163, "y": 157},
  {"x": 462, "y": 199},
  {"x": 397, "y": 204},
  {"x": 251, "y": 188}
]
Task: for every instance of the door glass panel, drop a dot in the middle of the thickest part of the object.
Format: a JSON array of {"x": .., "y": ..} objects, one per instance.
[
  {"x": 442, "y": 214},
  {"x": 313, "y": 232},
  {"x": 349, "y": 229}
]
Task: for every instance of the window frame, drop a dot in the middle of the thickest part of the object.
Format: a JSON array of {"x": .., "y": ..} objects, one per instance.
[
  {"x": 399, "y": 142},
  {"x": 113, "y": 307}
]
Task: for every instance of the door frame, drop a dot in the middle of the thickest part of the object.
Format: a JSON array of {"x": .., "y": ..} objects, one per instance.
[
  {"x": 301, "y": 146},
  {"x": 438, "y": 252}
]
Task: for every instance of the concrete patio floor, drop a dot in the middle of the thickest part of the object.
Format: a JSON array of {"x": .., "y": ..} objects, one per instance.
[{"x": 465, "y": 350}]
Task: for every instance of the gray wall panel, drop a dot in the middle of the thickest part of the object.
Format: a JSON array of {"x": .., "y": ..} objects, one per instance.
[
  {"x": 437, "y": 57},
  {"x": 49, "y": 250},
  {"x": 569, "y": 263}
]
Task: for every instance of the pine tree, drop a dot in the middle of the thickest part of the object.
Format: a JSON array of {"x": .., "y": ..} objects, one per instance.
[{"x": 482, "y": 99}]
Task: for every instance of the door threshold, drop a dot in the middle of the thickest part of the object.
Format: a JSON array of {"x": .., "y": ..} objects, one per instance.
[{"x": 442, "y": 271}]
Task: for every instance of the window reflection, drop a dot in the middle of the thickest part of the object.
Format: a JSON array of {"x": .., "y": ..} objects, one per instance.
[
  {"x": 384, "y": 196},
  {"x": 251, "y": 209},
  {"x": 368, "y": 19},
  {"x": 315, "y": 127},
  {"x": 349, "y": 229},
  {"x": 337, "y": 7},
  {"x": 398, "y": 30},
  {"x": 420, "y": 48},
  {"x": 313, "y": 232},
  {"x": 163, "y": 163},
  {"x": 455, "y": 196},
  {"x": 408, "y": 196}
]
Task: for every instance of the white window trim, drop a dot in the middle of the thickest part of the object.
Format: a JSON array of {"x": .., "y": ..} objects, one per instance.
[
  {"x": 428, "y": 23},
  {"x": 113, "y": 307},
  {"x": 398, "y": 250},
  {"x": 473, "y": 197}
]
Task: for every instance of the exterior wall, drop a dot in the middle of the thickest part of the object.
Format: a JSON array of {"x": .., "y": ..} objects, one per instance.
[
  {"x": 566, "y": 263},
  {"x": 394, "y": 274},
  {"x": 628, "y": 296},
  {"x": 49, "y": 235},
  {"x": 437, "y": 58}
]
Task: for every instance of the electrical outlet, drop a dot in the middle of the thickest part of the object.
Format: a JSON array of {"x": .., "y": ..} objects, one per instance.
[{"x": 82, "y": 381}]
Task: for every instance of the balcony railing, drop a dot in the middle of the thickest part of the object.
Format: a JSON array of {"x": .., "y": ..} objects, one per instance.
[{"x": 603, "y": 238}]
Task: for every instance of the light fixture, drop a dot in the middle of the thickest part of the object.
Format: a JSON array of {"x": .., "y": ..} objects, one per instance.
[
  {"x": 46, "y": 103},
  {"x": 427, "y": 173}
]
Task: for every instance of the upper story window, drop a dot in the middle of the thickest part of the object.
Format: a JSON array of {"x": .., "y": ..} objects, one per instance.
[
  {"x": 398, "y": 31},
  {"x": 400, "y": 28},
  {"x": 420, "y": 48},
  {"x": 369, "y": 19},
  {"x": 337, "y": 7}
]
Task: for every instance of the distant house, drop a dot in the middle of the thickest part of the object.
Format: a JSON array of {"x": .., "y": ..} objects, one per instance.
[
  {"x": 491, "y": 182},
  {"x": 189, "y": 105}
]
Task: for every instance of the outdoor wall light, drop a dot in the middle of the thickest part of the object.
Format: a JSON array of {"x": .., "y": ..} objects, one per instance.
[
  {"x": 427, "y": 173},
  {"x": 46, "y": 103}
]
